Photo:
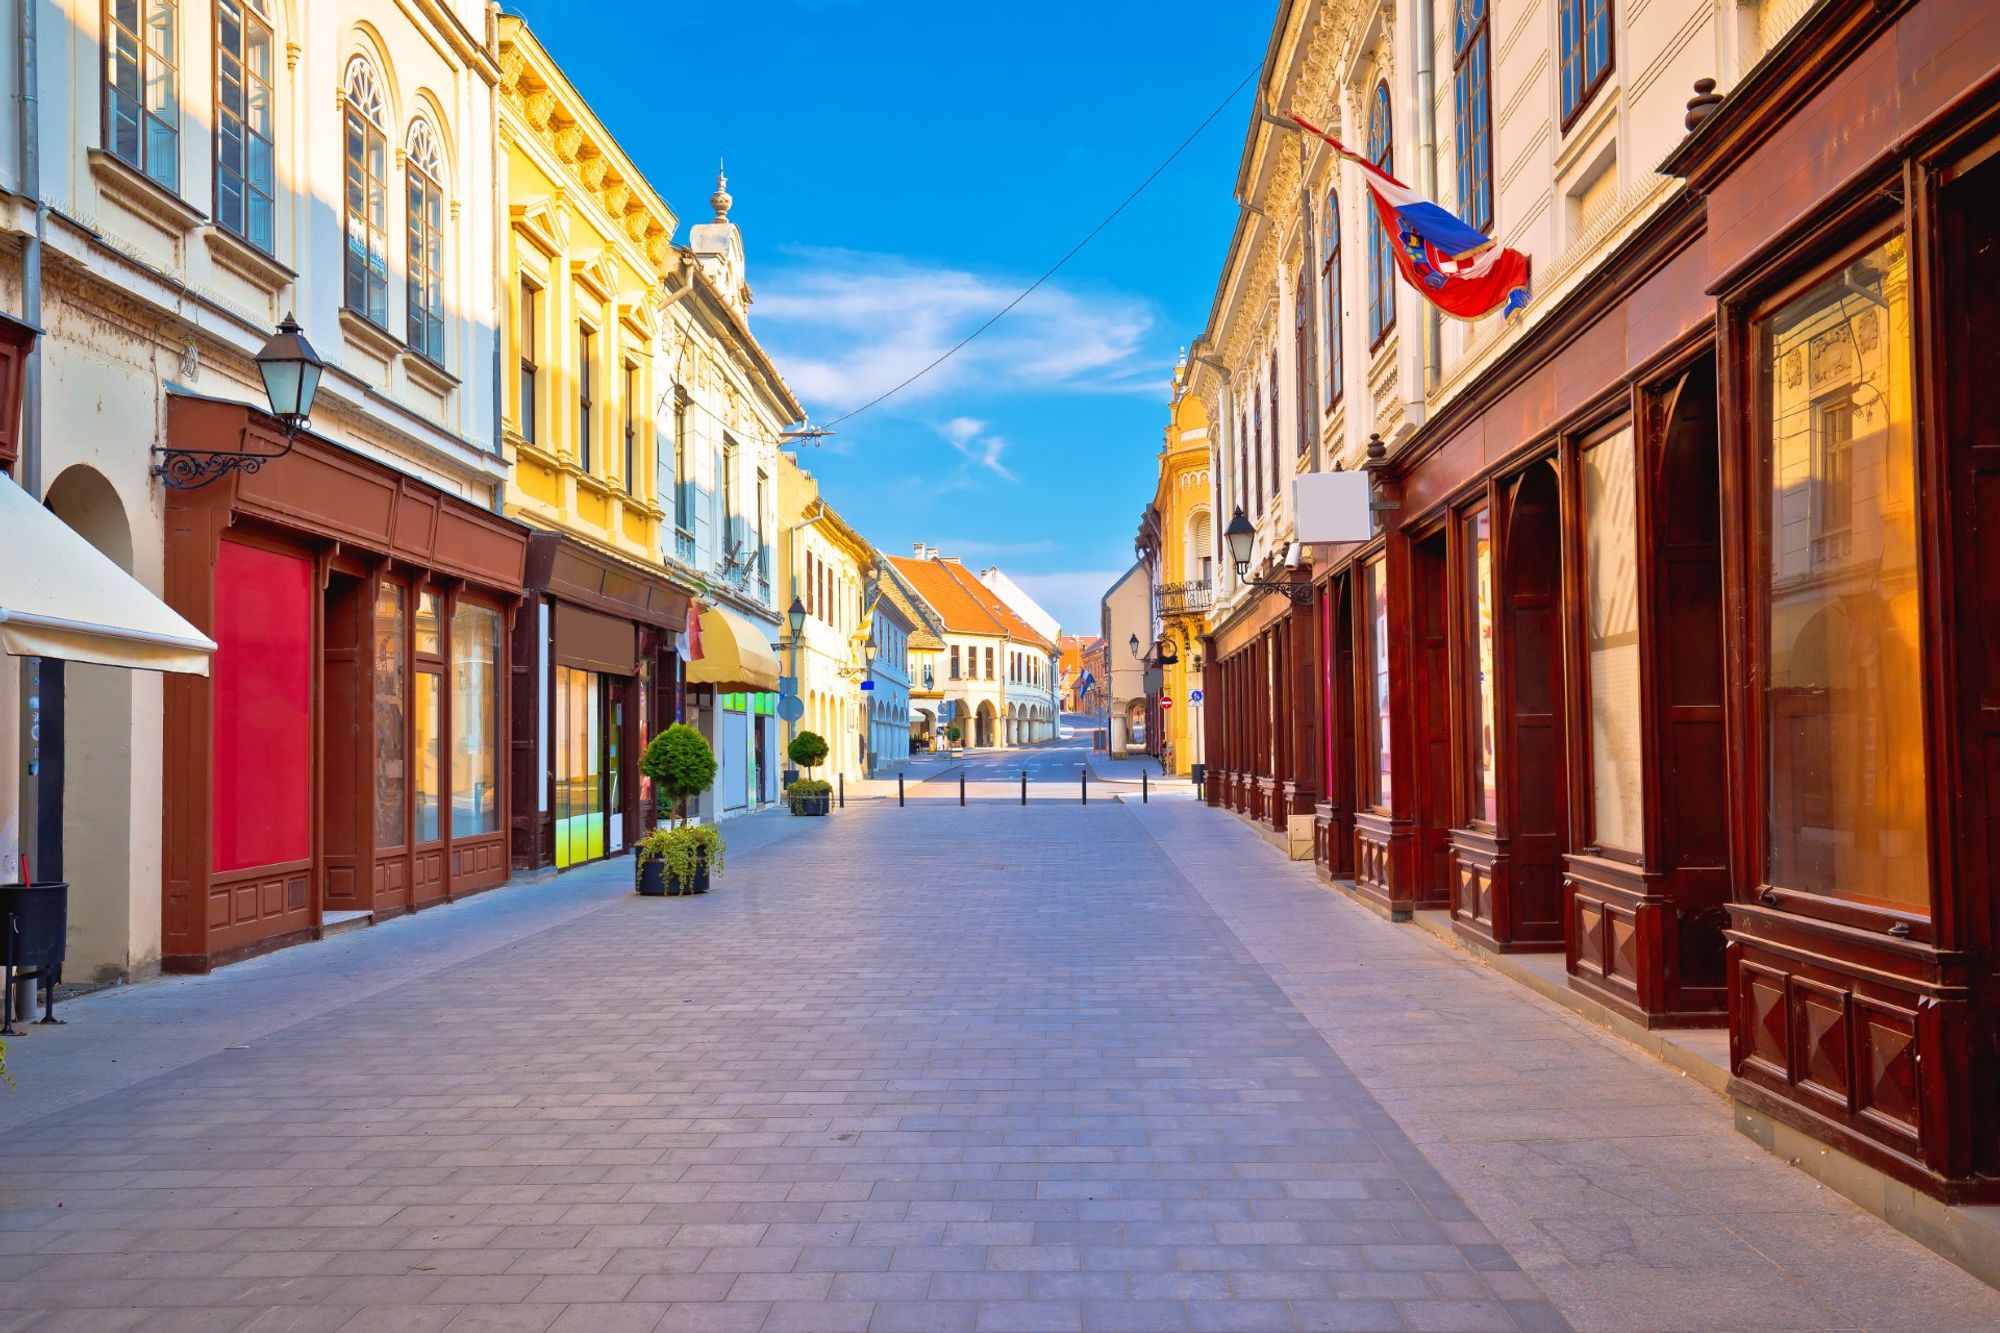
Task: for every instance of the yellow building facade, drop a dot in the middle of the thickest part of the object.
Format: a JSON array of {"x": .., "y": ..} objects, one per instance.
[
  {"x": 1177, "y": 540},
  {"x": 587, "y": 248}
]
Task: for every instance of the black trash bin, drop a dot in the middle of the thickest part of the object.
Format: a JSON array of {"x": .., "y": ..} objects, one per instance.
[
  {"x": 1197, "y": 772},
  {"x": 34, "y": 926}
]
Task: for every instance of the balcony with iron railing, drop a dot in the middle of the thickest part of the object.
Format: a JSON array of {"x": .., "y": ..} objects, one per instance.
[{"x": 1190, "y": 598}]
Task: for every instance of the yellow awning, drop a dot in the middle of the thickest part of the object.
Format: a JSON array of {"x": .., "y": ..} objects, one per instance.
[
  {"x": 62, "y": 597},
  {"x": 734, "y": 654}
]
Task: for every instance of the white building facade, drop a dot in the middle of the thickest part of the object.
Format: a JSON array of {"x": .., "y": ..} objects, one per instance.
[{"x": 186, "y": 186}]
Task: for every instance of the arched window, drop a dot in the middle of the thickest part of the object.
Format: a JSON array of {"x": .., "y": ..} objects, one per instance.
[
  {"x": 1472, "y": 92},
  {"x": 1584, "y": 38},
  {"x": 245, "y": 157},
  {"x": 1381, "y": 259},
  {"x": 1329, "y": 297},
  {"x": 424, "y": 169},
  {"x": 365, "y": 264},
  {"x": 142, "y": 108}
]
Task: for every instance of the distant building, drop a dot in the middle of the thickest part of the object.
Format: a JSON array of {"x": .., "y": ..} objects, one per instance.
[
  {"x": 1000, "y": 672},
  {"x": 1020, "y": 603}
]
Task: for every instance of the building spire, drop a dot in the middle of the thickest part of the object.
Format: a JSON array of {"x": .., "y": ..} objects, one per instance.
[{"x": 720, "y": 200}]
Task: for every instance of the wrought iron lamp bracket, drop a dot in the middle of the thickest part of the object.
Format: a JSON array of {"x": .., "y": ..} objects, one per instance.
[{"x": 192, "y": 469}]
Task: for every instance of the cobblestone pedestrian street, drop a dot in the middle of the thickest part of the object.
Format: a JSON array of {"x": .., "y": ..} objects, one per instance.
[{"x": 930, "y": 1067}]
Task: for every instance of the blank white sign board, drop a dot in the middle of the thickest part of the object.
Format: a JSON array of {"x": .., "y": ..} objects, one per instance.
[{"x": 1332, "y": 507}]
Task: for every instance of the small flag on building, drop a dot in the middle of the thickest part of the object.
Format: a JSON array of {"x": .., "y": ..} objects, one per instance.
[{"x": 1457, "y": 267}]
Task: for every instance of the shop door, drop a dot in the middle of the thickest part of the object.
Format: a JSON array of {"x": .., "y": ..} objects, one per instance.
[
  {"x": 613, "y": 712},
  {"x": 579, "y": 775},
  {"x": 734, "y": 727}
]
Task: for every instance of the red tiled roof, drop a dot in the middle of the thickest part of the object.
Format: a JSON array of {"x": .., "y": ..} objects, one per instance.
[{"x": 966, "y": 605}]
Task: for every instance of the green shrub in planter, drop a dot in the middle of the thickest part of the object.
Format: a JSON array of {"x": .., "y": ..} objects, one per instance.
[
  {"x": 807, "y": 750},
  {"x": 677, "y": 861},
  {"x": 681, "y": 765},
  {"x": 810, "y": 796}
]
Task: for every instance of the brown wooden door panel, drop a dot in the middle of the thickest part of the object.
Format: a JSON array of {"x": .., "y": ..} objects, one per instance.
[
  {"x": 1536, "y": 761},
  {"x": 1433, "y": 714}
]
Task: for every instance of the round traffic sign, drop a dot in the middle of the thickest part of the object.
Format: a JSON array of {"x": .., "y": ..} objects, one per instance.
[{"x": 791, "y": 708}]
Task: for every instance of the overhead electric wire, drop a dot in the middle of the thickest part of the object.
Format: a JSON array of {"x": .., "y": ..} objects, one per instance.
[{"x": 1054, "y": 268}]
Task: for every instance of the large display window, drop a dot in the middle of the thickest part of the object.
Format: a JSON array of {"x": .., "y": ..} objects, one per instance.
[
  {"x": 475, "y": 711},
  {"x": 1611, "y": 641},
  {"x": 1843, "y": 740}
]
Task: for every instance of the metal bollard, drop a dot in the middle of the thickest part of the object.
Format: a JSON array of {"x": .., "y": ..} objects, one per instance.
[
  {"x": 1024, "y": 786},
  {"x": 899, "y": 789},
  {"x": 961, "y": 786},
  {"x": 1085, "y": 776},
  {"x": 843, "y": 791},
  {"x": 1142, "y": 786}
]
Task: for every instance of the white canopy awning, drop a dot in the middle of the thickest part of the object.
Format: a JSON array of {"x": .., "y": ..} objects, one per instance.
[{"x": 62, "y": 597}]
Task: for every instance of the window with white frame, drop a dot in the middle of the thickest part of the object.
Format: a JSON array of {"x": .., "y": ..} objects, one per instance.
[
  {"x": 142, "y": 109},
  {"x": 245, "y": 146},
  {"x": 365, "y": 214},
  {"x": 424, "y": 168}
]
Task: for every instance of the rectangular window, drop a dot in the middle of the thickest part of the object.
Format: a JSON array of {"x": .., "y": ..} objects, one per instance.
[
  {"x": 757, "y": 537},
  {"x": 954, "y": 662},
  {"x": 586, "y": 374},
  {"x": 1584, "y": 37},
  {"x": 1472, "y": 98},
  {"x": 1302, "y": 367},
  {"x": 683, "y": 477},
  {"x": 245, "y": 163},
  {"x": 1846, "y": 786},
  {"x": 365, "y": 271},
  {"x": 1482, "y": 719},
  {"x": 1611, "y": 587},
  {"x": 142, "y": 114},
  {"x": 1329, "y": 291},
  {"x": 1376, "y": 593},
  {"x": 989, "y": 664},
  {"x": 391, "y": 715},
  {"x": 430, "y": 640},
  {"x": 631, "y": 409},
  {"x": 475, "y": 720},
  {"x": 531, "y": 374}
]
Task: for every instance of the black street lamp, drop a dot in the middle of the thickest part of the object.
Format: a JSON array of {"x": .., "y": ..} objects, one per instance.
[
  {"x": 291, "y": 371},
  {"x": 1241, "y": 536},
  {"x": 797, "y": 616}
]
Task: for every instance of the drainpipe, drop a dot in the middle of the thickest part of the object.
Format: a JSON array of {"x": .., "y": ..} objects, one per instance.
[
  {"x": 30, "y": 185},
  {"x": 1427, "y": 162}
]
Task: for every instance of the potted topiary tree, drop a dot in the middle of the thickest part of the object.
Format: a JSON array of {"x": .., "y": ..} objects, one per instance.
[
  {"x": 809, "y": 796},
  {"x": 676, "y": 861},
  {"x": 953, "y": 734}
]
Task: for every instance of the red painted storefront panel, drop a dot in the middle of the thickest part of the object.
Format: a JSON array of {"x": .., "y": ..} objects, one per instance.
[{"x": 263, "y": 708}]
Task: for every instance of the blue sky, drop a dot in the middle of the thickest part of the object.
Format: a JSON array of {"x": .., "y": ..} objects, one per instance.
[{"x": 902, "y": 171}]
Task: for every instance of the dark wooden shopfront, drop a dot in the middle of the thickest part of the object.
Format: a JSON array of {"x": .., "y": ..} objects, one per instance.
[
  {"x": 1853, "y": 188},
  {"x": 597, "y": 674},
  {"x": 346, "y": 755}
]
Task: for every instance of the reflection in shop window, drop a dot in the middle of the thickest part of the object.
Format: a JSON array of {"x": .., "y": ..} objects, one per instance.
[
  {"x": 1611, "y": 579},
  {"x": 1485, "y": 775},
  {"x": 475, "y": 715},
  {"x": 391, "y": 680},
  {"x": 1377, "y": 593},
  {"x": 429, "y": 788},
  {"x": 1843, "y": 710}
]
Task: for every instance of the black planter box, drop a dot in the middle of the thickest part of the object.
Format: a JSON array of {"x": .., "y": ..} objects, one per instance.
[
  {"x": 651, "y": 879},
  {"x": 812, "y": 805}
]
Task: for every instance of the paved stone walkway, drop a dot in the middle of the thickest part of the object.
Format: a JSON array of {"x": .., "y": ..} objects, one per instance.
[{"x": 918, "y": 1068}]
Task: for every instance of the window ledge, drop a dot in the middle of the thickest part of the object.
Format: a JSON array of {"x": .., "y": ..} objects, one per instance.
[
  {"x": 133, "y": 188},
  {"x": 367, "y": 335},
  {"x": 592, "y": 482},
  {"x": 427, "y": 374},
  {"x": 246, "y": 261}
]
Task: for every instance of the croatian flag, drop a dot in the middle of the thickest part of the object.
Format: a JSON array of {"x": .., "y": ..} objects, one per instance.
[{"x": 1457, "y": 267}]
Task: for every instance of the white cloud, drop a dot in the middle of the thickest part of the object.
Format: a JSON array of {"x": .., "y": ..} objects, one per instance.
[
  {"x": 1072, "y": 596},
  {"x": 848, "y": 325}
]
